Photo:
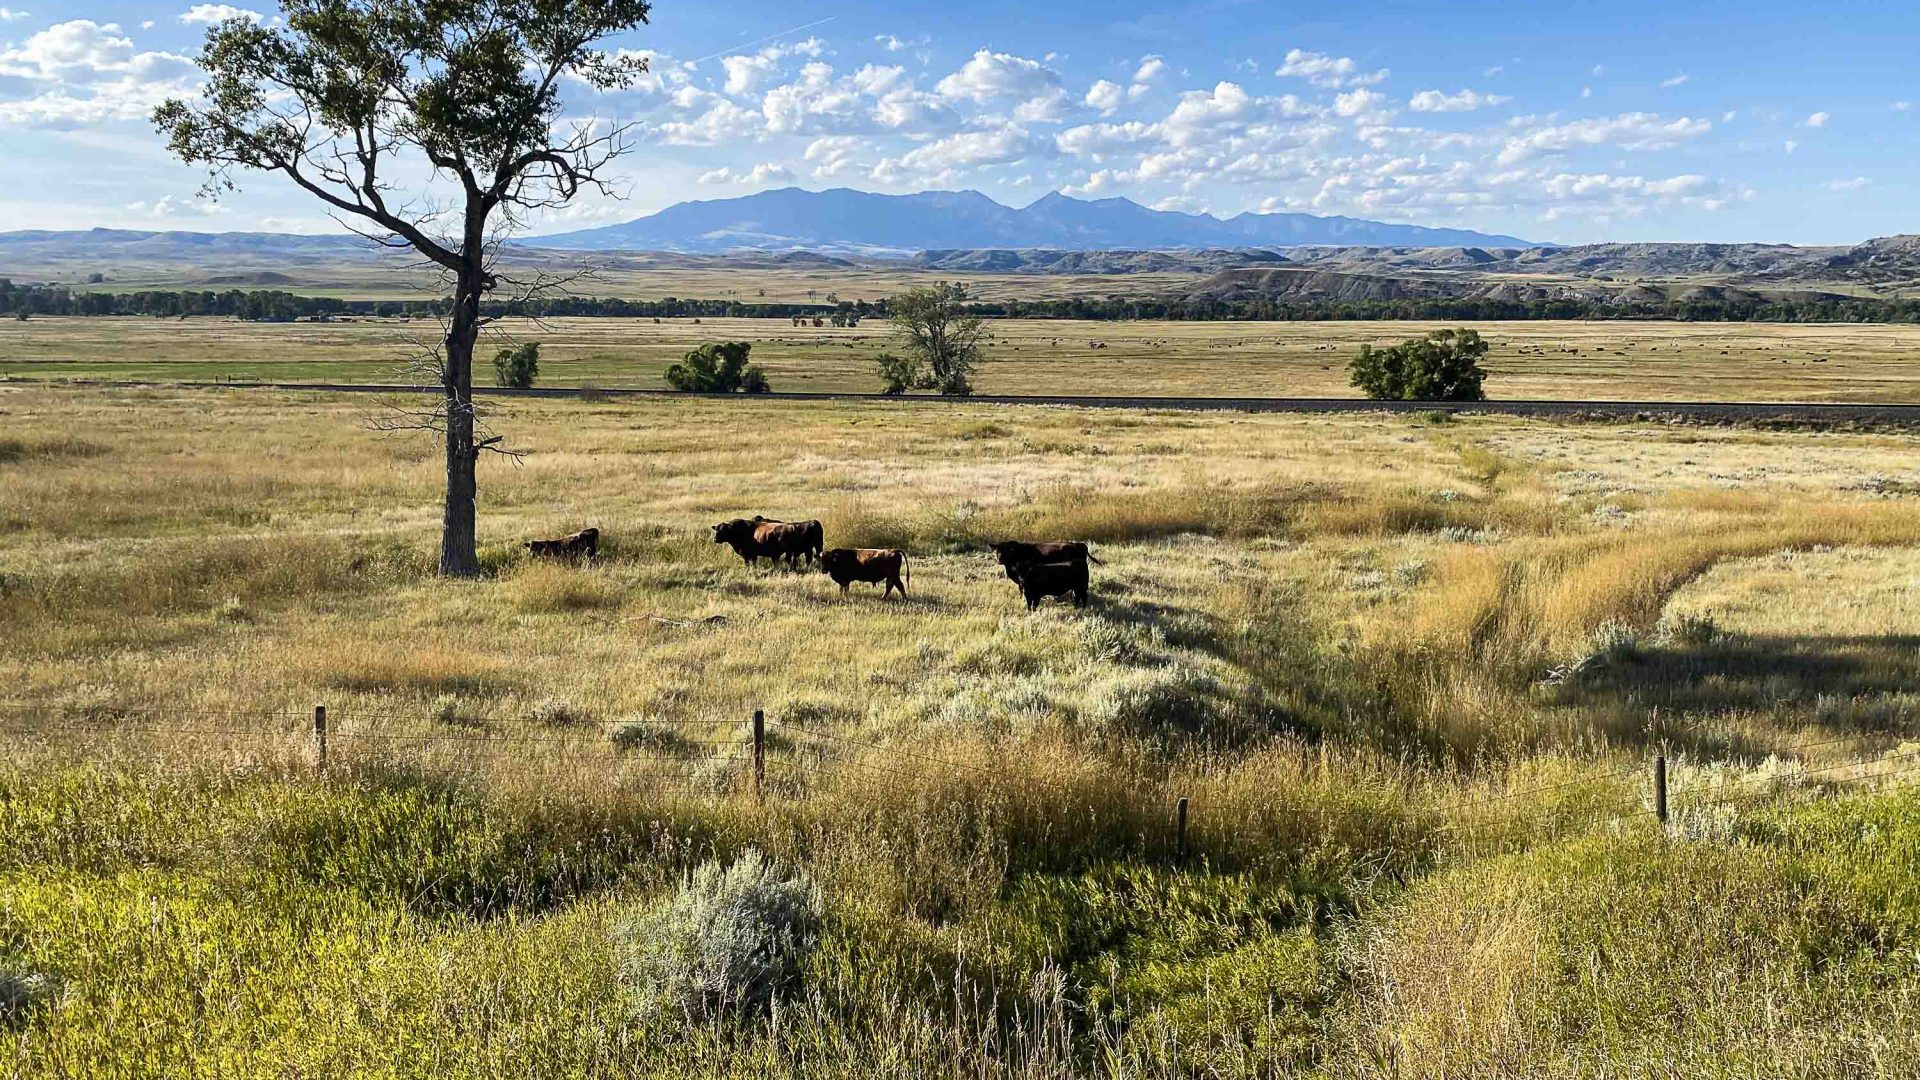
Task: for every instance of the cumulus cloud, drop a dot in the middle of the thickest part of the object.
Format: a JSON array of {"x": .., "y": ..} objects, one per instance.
[
  {"x": 1436, "y": 101},
  {"x": 1327, "y": 71},
  {"x": 832, "y": 155},
  {"x": 745, "y": 71},
  {"x": 1150, "y": 70},
  {"x": 1819, "y": 120},
  {"x": 760, "y": 175},
  {"x": 1628, "y": 131},
  {"x": 11, "y": 15},
  {"x": 87, "y": 73},
  {"x": 1361, "y": 102},
  {"x": 1105, "y": 96},
  {"x": 997, "y": 76},
  {"x": 944, "y": 159},
  {"x": 208, "y": 14},
  {"x": 1901, "y": 106}
]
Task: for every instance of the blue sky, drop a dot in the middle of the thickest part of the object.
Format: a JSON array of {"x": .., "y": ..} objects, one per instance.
[{"x": 1763, "y": 121}]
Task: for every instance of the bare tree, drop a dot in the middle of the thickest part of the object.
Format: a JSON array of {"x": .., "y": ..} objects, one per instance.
[{"x": 353, "y": 99}]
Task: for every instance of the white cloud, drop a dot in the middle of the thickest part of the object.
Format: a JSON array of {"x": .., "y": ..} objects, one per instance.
[
  {"x": 1327, "y": 71},
  {"x": 1105, "y": 96},
  {"x": 1819, "y": 119},
  {"x": 1854, "y": 183},
  {"x": 1599, "y": 70},
  {"x": 994, "y": 76},
  {"x": 1586, "y": 92},
  {"x": 714, "y": 119},
  {"x": 764, "y": 173},
  {"x": 1901, "y": 106},
  {"x": 10, "y": 15},
  {"x": 1151, "y": 68},
  {"x": 1436, "y": 101},
  {"x": 1628, "y": 131},
  {"x": 1681, "y": 79},
  {"x": 832, "y": 155},
  {"x": 1050, "y": 107},
  {"x": 745, "y": 71},
  {"x": 943, "y": 159},
  {"x": 1361, "y": 102},
  {"x": 170, "y": 206},
  {"x": 208, "y": 14},
  {"x": 814, "y": 100},
  {"x": 895, "y": 44},
  {"x": 93, "y": 74},
  {"x": 1790, "y": 146}
]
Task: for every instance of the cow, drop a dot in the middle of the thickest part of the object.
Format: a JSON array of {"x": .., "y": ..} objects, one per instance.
[
  {"x": 812, "y": 537},
  {"x": 756, "y": 538},
  {"x": 585, "y": 542},
  {"x": 1012, "y": 553},
  {"x": 875, "y": 566},
  {"x": 1039, "y": 580}
]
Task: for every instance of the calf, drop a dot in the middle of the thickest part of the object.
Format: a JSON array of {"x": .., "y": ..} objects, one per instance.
[
  {"x": 875, "y": 566},
  {"x": 1015, "y": 552},
  {"x": 586, "y": 543},
  {"x": 1039, "y": 580}
]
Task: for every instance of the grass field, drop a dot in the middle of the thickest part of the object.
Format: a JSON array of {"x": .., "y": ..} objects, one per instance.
[
  {"x": 1577, "y": 360},
  {"x": 1409, "y": 672}
]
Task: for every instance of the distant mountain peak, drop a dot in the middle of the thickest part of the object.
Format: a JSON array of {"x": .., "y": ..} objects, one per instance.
[{"x": 849, "y": 220}]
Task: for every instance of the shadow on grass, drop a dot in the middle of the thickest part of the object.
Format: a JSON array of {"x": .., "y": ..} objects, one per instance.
[{"x": 1864, "y": 684}]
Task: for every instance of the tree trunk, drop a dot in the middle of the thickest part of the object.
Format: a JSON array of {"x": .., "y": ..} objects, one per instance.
[{"x": 459, "y": 555}]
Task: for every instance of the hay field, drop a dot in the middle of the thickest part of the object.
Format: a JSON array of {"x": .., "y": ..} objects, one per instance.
[
  {"x": 1552, "y": 360},
  {"x": 1409, "y": 672}
]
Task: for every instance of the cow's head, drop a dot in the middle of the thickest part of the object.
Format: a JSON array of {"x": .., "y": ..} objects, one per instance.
[
  {"x": 833, "y": 560},
  {"x": 728, "y": 531}
]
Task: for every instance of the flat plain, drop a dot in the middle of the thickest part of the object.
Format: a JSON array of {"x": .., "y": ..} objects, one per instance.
[
  {"x": 1410, "y": 673},
  {"x": 1653, "y": 361}
]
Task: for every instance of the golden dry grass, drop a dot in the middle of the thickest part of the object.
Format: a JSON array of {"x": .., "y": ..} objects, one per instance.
[{"x": 1553, "y": 360}]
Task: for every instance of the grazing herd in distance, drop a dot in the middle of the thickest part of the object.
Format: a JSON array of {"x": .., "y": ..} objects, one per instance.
[{"x": 1040, "y": 570}]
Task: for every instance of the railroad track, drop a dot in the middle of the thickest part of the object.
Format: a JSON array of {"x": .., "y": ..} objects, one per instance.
[{"x": 1902, "y": 415}]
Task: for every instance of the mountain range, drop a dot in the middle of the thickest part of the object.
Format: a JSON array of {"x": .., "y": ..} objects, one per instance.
[{"x": 866, "y": 223}]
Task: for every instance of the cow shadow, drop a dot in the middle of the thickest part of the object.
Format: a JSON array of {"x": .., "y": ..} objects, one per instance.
[{"x": 1866, "y": 684}]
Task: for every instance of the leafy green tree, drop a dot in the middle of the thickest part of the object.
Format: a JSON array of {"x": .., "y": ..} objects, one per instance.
[
  {"x": 349, "y": 99},
  {"x": 940, "y": 336},
  {"x": 517, "y": 366},
  {"x": 718, "y": 367},
  {"x": 1443, "y": 366},
  {"x": 898, "y": 373}
]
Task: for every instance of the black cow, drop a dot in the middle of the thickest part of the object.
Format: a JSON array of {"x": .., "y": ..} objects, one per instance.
[
  {"x": 1013, "y": 553},
  {"x": 586, "y": 543},
  {"x": 1039, "y": 580},
  {"x": 875, "y": 566}
]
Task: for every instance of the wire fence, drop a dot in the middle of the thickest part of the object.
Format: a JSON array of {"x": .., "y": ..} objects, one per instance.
[{"x": 722, "y": 759}]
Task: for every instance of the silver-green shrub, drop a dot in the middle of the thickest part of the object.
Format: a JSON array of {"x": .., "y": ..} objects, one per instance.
[{"x": 731, "y": 941}]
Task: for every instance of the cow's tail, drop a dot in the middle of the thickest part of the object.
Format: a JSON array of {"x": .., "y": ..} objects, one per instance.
[{"x": 1091, "y": 557}]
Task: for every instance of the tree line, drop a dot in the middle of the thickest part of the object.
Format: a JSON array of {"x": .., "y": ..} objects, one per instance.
[{"x": 268, "y": 305}]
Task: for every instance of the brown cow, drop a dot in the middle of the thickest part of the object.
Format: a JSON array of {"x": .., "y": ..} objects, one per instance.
[
  {"x": 1016, "y": 552},
  {"x": 1039, "y": 580},
  {"x": 875, "y": 566},
  {"x": 586, "y": 543},
  {"x": 756, "y": 538}
]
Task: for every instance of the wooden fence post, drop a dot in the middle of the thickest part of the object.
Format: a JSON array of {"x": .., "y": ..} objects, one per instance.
[
  {"x": 1660, "y": 787},
  {"x": 320, "y": 737},
  {"x": 1180, "y": 828},
  {"x": 759, "y": 753}
]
